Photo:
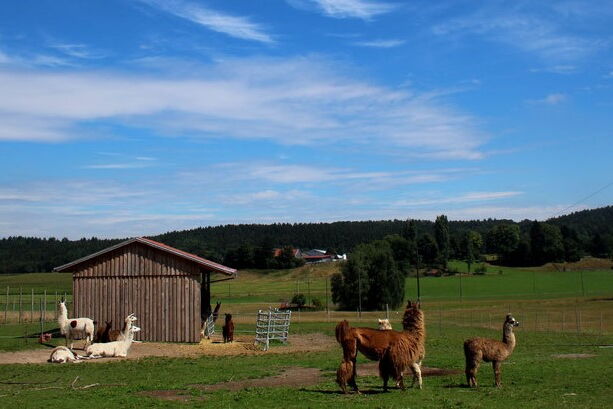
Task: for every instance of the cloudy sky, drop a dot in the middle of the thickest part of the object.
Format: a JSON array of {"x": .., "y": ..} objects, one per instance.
[{"x": 134, "y": 117}]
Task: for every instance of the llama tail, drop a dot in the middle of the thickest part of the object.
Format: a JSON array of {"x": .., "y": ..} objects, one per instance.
[{"x": 342, "y": 331}]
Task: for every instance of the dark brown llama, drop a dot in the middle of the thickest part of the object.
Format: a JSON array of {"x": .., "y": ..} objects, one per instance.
[
  {"x": 115, "y": 333},
  {"x": 228, "y": 329},
  {"x": 396, "y": 351},
  {"x": 489, "y": 350},
  {"x": 216, "y": 311},
  {"x": 102, "y": 334}
]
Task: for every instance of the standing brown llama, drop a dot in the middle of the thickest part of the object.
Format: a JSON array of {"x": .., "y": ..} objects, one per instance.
[
  {"x": 397, "y": 351},
  {"x": 228, "y": 329},
  {"x": 102, "y": 334},
  {"x": 489, "y": 350}
]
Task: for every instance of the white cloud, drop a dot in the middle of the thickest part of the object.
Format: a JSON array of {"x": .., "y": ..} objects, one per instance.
[
  {"x": 551, "y": 99},
  {"x": 462, "y": 198},
  {"x": 135, "y": 165},
  {"x": 530, "y": 32},
  {"x": 78, "y": 51},
  {"x": 362, "y": 9},
  {"x": 298, "y": 101},
  {"x": 557, "y": 69},
  {"x": 238, "y": 27},
  {"x": 274, "y": 198},
  {"x": 380, "y": 43}
]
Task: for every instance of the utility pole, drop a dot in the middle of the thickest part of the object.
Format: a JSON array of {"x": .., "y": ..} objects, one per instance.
[{"x": 359, "y": 295}]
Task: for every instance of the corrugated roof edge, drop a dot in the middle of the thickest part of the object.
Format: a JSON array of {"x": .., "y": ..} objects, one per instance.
[{"x": 161, "y": 246}]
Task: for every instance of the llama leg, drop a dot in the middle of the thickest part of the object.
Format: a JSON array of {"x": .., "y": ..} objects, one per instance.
[
  {"x": 416, "y": 374},
  {"x": 400, "y": 382},
  {"x": 354, "y": 371},
  {"x": 496, "y": 366},
  {"x": 472, "y": 366},
  {"x": 384, "y": 373},
  {"x": 343, "y": 374}
]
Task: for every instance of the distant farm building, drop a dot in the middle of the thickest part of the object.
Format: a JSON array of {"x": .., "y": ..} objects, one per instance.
[
  {"x": 321, "y": 256},
  {"x": 169, "y": 290},
  {"x": 295, "y": 252}
]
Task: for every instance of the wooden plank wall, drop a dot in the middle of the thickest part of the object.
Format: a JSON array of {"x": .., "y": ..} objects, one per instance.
[{"x": 162, "y": 290}]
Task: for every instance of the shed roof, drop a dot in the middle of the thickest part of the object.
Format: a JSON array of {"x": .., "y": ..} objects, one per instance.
[{"x": 219, "y": 268}]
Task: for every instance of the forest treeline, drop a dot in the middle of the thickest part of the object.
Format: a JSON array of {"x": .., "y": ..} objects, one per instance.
[{"x": 588, "y": 232}]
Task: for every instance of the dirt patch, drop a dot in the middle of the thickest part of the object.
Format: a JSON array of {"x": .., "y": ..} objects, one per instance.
[
  {"x": 372, "y": 369},
  {"x": 171, "y": 395},
  {"x": 242, "y": 346},
  {"x": 293, "y": 377},
  {"x": 573, "y": 356}
]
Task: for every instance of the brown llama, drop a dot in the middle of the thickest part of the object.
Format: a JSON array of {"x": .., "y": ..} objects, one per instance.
[
  {"x": 396, "y": 351},
  {"x": 102, "y": 334},
  {"x": 228, "y": 329},
  {"x": 115, "y": 334},
  {"x": 216, "y": 311},
  {"x": 489, "y": 350}
]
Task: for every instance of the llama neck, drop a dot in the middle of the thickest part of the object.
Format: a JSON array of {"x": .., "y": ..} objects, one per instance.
[
  {"x": 127, "y": 325},
  {"x": 127, "y": 341},
  {"x": 415, "y": 326},
  {"x": 62, "y": 318},
  {"x": 508, "y": 338}
]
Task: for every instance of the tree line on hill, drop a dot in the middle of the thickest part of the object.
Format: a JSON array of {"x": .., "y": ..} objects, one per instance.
[{"x": 569, "y": 237}]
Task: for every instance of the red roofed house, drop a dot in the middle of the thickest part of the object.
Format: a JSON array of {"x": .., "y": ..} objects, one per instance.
[{"x": 169, "y": 290}]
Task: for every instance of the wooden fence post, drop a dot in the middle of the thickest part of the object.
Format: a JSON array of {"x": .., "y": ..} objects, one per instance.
[
  {"x": 32, "y": 306},
  {"x": 20, "y": 303},
  {"x": 45, "y": 307},
  {"x": 6, "y": 306},
  {"x": 40, "y": 305}
]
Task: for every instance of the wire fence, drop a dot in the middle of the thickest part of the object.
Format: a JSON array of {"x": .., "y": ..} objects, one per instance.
[
  {"x": 19, "y": 306},
  {"x": 572, "y": 322}
]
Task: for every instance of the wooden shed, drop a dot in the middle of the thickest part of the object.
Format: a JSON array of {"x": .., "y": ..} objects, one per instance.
[{"x": 168, "y": 289}]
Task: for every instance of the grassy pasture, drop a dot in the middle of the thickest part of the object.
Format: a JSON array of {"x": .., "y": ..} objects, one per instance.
[
  {"x": 556, "y": 319},
  {"x": 532, "y": 378},
  {"x": 270, "y": 287}
]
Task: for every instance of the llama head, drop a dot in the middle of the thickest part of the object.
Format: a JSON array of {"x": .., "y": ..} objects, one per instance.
[
  {"x": 135, "y": 329},
  {"x": 228, "y": 317},
  {"x": 384, "y": 324},
  {"x": 413, "y": 316},
  {"x": 510, "y": 322},
  {"x": 108, "y": 324}
]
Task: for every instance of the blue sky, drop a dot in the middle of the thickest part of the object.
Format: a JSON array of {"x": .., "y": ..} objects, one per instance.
[{"x": 122, "y": 118}]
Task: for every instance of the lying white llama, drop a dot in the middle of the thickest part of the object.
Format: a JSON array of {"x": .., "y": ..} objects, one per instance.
[
  {"x": 115, "y": 348},
  {"x": 75, "y": 328},
  {"x": 61, "y": 355},
  {"x": 384, "y": 324}
]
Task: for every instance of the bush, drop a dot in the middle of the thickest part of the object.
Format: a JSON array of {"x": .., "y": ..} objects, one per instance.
[
  {"x": 451, "y": 271},
  {"x": 481, "y": 269},
  {"x": 299, "y": 300},
  {"x": 317, "y": 304}
]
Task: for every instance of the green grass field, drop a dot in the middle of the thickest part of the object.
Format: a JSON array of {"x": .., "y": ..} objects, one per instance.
[
  {"x": 270, "y": 287},
  {"x": 532, "y": 378},
  {"x": 544, "y": 301}
]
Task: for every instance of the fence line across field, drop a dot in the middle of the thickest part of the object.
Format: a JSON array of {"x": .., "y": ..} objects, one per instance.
[{"x": 16, "y": 306}]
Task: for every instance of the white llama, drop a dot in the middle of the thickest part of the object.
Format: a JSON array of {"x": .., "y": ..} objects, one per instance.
[
  {"x": 75, "y": 328},
  {"x": 115, "y": 348},
  {"x": 61, "y": 355}
]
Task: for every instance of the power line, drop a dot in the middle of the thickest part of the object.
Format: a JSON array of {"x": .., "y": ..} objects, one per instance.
[{"x": 583, "y": 200}]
